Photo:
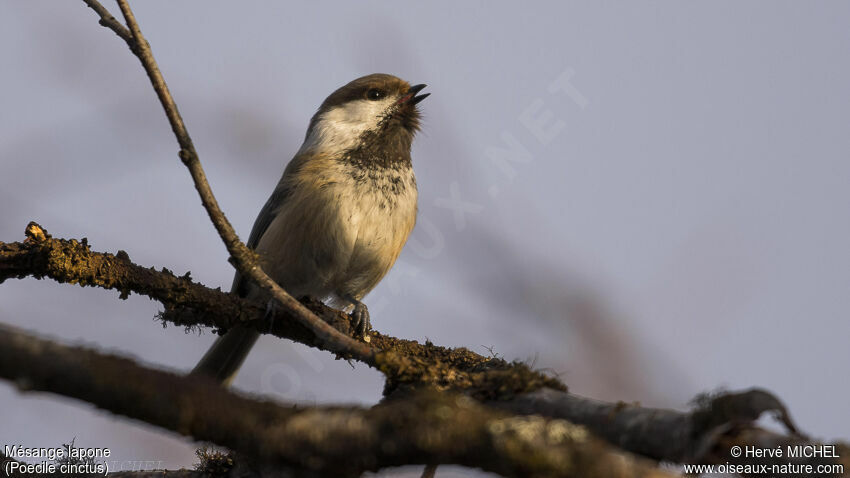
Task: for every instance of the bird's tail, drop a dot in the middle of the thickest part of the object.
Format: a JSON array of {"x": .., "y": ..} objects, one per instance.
[{"x": 226, "y": 355}]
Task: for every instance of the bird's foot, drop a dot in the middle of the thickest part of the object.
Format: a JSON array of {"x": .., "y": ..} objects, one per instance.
[{"x": 360, "y": 315}]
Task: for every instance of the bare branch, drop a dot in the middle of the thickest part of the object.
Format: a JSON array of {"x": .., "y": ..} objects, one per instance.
[
  {"x": 108, "y": 21},
  {"x": 243, "y": 258},
  {"x": 425, "y": 427}
]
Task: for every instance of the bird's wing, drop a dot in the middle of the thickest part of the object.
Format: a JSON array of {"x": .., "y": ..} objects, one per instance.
[{"x": 267, "y": 215}]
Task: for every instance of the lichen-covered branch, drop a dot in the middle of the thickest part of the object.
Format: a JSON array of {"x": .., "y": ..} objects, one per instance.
[
  {"x": 405, "y": 363},
  {"x": 660, "y": 434},
  {"x": 421, "y": 427}
]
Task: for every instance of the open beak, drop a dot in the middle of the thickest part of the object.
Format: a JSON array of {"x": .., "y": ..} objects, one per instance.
[{"x": 411, "y": 98}]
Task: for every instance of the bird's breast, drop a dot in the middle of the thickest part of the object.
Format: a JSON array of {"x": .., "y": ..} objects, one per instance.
[
  {"x": 379, "y": 209},
  {"x": 380, "y": 215},
  {"x": 342, "y": 227}
]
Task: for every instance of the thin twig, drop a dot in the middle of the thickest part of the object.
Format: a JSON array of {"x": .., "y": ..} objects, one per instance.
[
  {"x": 244, "y": 259},
  {"x": 108, "y": 21}
]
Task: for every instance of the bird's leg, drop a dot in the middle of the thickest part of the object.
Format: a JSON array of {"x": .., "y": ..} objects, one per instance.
[
  {"x": 272, "y": 308},
  {"x": 360, "y": 314}
]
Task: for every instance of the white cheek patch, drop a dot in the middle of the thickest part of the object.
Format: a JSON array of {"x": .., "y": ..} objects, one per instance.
[{"x": 340, "y": 128}]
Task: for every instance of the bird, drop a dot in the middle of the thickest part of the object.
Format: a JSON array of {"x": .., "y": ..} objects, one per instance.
[{"x": 341, "y": 213}]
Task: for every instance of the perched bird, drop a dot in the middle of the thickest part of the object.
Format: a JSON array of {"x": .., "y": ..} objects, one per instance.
[{"x": 341, "y": 213}]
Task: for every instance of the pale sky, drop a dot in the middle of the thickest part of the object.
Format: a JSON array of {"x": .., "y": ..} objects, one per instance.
[{"x": 673, "y": 218}]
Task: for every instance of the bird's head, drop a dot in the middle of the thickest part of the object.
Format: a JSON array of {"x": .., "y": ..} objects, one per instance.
[{"x": 373, "y": 111}]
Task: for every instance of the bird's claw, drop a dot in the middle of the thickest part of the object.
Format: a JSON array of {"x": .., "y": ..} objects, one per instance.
[{"x": 360, "y": 315}]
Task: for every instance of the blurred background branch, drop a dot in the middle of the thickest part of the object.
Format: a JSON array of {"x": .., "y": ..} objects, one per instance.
[{"x": 421, "y": 427}]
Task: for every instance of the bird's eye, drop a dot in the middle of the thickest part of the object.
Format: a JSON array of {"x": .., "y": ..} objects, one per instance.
[{"x": 375, "y": 94}]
